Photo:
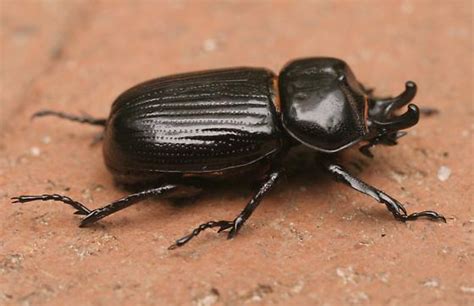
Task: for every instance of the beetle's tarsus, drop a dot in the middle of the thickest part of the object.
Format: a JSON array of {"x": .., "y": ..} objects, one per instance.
[
  {"x": 395, "y": 207},
  {"x": 223, "y": 225},
  {"x": 239, "y": 221},
  {"x": 87, "y": 119},
  {"x": 80, "y": 208},
  {"x": 427, "y": 214}
]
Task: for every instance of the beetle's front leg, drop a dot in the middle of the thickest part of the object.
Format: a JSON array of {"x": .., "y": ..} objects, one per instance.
[
  {"x": 237, "y": 223},
  {"x": 395, "y": 207}
]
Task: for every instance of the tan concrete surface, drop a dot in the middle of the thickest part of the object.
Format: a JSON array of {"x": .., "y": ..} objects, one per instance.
[{"x": 312, "y": 241}]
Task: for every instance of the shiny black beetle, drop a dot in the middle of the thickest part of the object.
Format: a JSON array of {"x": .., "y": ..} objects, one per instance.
[{"x": 179, "y": 130}]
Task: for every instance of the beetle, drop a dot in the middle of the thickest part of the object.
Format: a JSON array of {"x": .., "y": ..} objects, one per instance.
[{"x": 179, "y": 130}]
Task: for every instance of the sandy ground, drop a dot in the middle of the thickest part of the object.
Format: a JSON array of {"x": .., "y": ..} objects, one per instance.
[{"x": 312, "y": 241}]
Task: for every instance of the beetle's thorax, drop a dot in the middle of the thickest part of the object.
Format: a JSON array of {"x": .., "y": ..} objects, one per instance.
[{"x": 322, "y": 104}]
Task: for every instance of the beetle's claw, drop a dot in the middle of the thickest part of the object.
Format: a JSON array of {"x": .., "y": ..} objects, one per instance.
[
  {"x": 91, "y": 217},
  {"x": 25, "y": 198},
  {"x": 236, "y": 225},
  {"x": 180, "y": 242},
  {"x": 222, "y": 225},
  {"x": 432, "y": 215},
  {"x": 81, "y": 212},
  {"x": 225, "y": 227}
]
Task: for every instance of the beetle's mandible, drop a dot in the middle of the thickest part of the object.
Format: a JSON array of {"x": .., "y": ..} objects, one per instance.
[{"x": 179, "y": 131}]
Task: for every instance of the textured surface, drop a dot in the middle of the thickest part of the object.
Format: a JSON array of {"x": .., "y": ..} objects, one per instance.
[
  {"x": 197, "y": 122},
  {"x": 311, "y": 241}
]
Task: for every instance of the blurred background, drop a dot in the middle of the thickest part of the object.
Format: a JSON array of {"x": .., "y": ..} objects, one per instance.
[{"x": 312, "y": 242}]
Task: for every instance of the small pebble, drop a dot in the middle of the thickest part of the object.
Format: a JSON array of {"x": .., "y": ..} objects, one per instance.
[
  {"x": 444, "y": 173},
  {"x": 46, "y": 139},
  {"x": 467, "y": 289},
  {"x": 431, "y": 283},
  {"x": 209, "y": 45},
  {"x": 35, "y": 151}
]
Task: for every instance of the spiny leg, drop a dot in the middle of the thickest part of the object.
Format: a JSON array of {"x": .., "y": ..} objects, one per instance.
[
  {"x": 395, "y": 207},
  {"x": 237, "y": 223},
  {"x": 99, "y": 213}
]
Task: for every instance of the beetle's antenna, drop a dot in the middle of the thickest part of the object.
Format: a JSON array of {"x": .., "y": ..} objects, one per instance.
[{"x": 85, "y": 118}]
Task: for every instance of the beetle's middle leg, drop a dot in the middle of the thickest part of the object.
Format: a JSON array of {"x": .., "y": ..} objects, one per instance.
[
  {"x": 395, "y": 207},
  {"x": 237, "y": 223},
  {"x": 92, "y": 216}
]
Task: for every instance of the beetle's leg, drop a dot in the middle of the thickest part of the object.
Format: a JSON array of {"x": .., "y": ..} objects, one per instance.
[
  {"x": 272, "y": 179},
  {"x": 395, "y": 207},
  {"x": 80, "y": 209},
  {"x": 125, "y": 202},
  {"x": 237, "y": 223},
  {"x": 81, "y": 119},
  {"x": 99, "y": 213}
]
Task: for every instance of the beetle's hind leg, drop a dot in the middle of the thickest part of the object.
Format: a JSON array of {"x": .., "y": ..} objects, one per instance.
[
  {"x": 92, "y": 216},
  {"x": 395, "y": 207},
  {"x": 85, "y": 118},
  {"x": 237, "y": 223},
  {"x": 80, "y": 208}
]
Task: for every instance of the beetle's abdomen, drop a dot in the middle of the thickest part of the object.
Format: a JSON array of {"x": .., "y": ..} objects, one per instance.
[{"x": 193, "y": 123}]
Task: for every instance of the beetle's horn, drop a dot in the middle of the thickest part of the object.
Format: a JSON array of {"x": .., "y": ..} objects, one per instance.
[
  {"x": 408, "y": 119},
  {"x": 383, "y": 108}
]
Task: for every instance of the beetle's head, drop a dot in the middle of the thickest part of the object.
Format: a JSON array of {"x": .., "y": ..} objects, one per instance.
[{"x": 323, "y": 105}]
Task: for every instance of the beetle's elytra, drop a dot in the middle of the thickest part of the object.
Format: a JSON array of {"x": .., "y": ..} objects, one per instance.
[{"x": 185, "y": 129}]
